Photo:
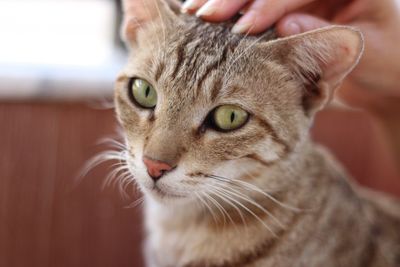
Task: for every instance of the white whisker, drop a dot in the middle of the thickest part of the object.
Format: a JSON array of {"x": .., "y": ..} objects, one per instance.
[
  {"x": 135, "y": 203},
  {"x": 105, "y": 156},
  {"x": 248, "y": 210},
  {"x": 217, "y": 194},
  {"x": 208, "y": 207},
  {"x": 221, "y": 209},
  {"x": 112, "y": 142},
  {"x": 125, "y": 179},
  {"x": 251, "y": 201},
  {"x": 112, "y": 175},
  {"x": 252, "y": 187}
]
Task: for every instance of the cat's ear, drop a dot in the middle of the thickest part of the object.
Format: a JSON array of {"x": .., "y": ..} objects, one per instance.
[
  {"x": 139, "y": 14},
  {"x": 320, "y": 60}
]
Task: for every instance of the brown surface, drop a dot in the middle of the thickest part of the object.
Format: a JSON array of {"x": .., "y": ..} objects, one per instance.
[
  {"x": 46, "y": 219},
  {"x": 354, "y": 140}
]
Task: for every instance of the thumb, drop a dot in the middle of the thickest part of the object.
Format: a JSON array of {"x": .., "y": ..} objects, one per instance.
[{"x": 296, "y": 23}]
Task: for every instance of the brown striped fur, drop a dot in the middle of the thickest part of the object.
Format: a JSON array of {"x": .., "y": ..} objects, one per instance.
[{"x": 265, "y": 194}]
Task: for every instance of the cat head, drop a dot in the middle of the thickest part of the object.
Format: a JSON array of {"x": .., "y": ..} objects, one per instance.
[{"x": 201, "y": 106}]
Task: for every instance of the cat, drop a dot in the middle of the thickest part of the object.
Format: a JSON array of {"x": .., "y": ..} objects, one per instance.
[{"x": 217, "y": 138}]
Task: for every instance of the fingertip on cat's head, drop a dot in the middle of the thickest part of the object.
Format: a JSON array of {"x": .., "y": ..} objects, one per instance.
[{"x": 298, "y": 23}]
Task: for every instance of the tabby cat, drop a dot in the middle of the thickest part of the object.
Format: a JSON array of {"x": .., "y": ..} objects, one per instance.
[{"x": 217, "y": 138}]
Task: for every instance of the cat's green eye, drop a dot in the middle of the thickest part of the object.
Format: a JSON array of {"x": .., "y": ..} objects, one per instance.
[
  {"x": 229, "y": 117},
  {"x": 143, "y": 93}
]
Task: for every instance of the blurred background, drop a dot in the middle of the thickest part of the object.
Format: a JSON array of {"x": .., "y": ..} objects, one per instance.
[{"x": 58, "y": 60}]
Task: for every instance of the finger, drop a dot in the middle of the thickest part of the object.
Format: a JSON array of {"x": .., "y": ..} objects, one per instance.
[
  {"x": 219, "y": 10},
  {"x": 190, "y": 6},
  {"x": 263, "y": 13},
  {"x": 299, "y": 23}
]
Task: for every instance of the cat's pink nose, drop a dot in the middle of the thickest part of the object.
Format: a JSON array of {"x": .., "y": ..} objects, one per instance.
[{"x": 156, "y": 168}]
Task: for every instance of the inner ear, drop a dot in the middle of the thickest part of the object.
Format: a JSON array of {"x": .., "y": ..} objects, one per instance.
[
  {"x": 319, "y": 60},
  {"x": 312, "y": 95},
  {"x": 141, "y": 13}
]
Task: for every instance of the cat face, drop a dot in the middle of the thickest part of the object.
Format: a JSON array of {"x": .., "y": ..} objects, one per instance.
[{"x": 203, "y": 107}]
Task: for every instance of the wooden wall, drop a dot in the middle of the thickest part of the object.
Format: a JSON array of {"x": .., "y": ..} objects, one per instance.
[{"x": 48, "y": 219}]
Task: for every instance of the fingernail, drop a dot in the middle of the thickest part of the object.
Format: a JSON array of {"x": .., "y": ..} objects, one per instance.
[
  {"x": 208, "y": 9},
  {"x": 241, "y": 28},
  {"x": 245, "y": 23},
  {"x": 293, "y": 28},
  {"x": 188, "y": 5}
]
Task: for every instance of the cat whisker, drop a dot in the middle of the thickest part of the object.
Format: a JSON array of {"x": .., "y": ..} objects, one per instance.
[
  {"x": 217, "y": 194},
  {"x": 136, "y": 203},
  {"x": 229, "y": 196},
  {"x": 207, "y": 197},
  {"x": 120, "y": 171},
  {"x": 255, "y": 188},
  {"x": 109, "y": 155},
  {"x": 292, "y": 175},
  {"x": 125, "y": 179},
  {"x": 219, "y": 207},
  {"x": 111, "y": 177},
  {"x": 112, "y": 142},
  {"x": 251, "y": 201},
  {"x": 207, "y": 207}
]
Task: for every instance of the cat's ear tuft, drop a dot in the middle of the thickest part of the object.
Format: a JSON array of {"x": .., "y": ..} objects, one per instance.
[
  {"x": 139, "y": 14},
  {"x": 320, "y": 59}
]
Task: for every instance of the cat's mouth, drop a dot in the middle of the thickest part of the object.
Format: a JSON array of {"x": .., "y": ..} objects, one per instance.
[{"x": 163, "y": 193}]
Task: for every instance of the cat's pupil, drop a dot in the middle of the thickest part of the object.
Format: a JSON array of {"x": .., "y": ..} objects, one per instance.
[
  {"x": 232, "y": 117},
  {"x": 147, "y": 91}
]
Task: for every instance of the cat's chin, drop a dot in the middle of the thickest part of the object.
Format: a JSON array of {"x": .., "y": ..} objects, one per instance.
[{"x": 165, "y": 197}]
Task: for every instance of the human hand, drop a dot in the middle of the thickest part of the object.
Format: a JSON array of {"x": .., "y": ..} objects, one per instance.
[
  {"x": 376, "y": 78},
  {"x": 374, "y": 83},
  {"x": 258, "y": 14}
]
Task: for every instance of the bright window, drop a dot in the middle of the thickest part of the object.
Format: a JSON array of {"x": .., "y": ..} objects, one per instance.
[
  {"x": 58, "y": 49},
  {"x": 61, "y": 32}
]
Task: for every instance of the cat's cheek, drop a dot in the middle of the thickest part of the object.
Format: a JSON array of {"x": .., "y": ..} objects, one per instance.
[
  {"x": 136, "y": 165},
  {"x": 134, "y": 121},
  {"x": 136, "y": 130},
  {"x": 140, "y": 175},
  {"x": 220, "y": 151},
  {"x": 230, "y": 169},
  {"x": 270, "y": 151},
  {"x": 125, "y": 113}
]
